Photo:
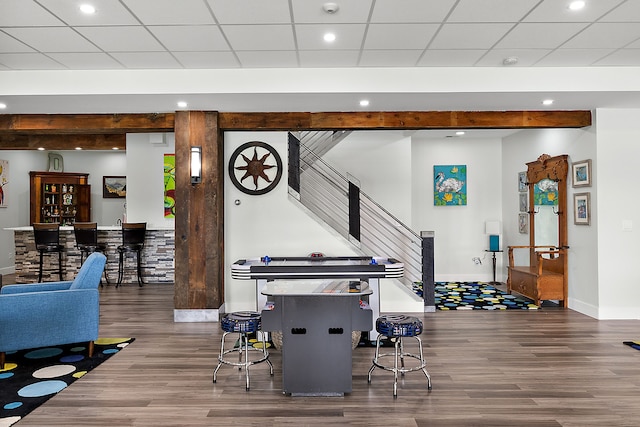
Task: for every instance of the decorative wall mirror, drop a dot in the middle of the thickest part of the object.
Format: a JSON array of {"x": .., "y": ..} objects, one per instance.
[
  {"x": 545, "y": 278},
  {"x": 547, "y": 181}
]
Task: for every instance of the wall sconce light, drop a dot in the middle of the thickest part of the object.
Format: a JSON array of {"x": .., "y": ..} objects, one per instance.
[{"x": 196, "y": 165}]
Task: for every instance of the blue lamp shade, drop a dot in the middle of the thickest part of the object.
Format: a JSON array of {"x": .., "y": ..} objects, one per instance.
[{"x": 494, "y": 242}]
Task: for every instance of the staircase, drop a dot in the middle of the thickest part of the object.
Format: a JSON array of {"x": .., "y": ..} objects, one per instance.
[{"x": 337, "y": 201}]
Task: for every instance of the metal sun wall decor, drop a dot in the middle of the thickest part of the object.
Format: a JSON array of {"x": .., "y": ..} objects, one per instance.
[
  {"x": 449, "y": 185},
  {"x": 169, "y": 185}
]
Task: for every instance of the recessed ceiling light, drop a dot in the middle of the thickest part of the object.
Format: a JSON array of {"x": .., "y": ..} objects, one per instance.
[
  {"x": 78, "y": 148},
  {"x": 364, "y": 103},
  {"x": 511, "y": 60},
  {"x": 3, "y": 105},
  {"x": 182, "y": 104},
  {"x": 547, "y": 102},
  {"x": 576, "y": 5},
  {"x": 460, "y": 132},
  {"x": 329, "y": 37},
  {"x": 88, "y": 9},
  {"x": 40, "y": 148}
]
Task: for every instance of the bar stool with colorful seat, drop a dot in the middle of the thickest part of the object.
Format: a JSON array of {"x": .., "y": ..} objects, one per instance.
[
  {"x": 87, "y": 242},
  {"x": 395, "y": 328},
  {"x": 243, "y": 323},
  {"x": 133, "y": 236},
  {"x": 47, "y": 240}
]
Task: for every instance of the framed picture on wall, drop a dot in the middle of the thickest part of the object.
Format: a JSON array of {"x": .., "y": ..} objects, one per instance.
[
  {"x": 114, "y": 187},
  {"x": 523, "y": 223},
  {"x": 581, "y": 173},
  {"x": 524, "y": 202},
  {"x": 581, "y": 209},
  {"x": 522, "y": 182}
]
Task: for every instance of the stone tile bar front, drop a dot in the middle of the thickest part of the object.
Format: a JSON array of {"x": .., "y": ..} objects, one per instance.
[{"x": 158, "y": 263}]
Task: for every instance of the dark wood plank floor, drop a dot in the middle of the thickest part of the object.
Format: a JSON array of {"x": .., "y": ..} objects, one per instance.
[{"x": 551, "y": 367}]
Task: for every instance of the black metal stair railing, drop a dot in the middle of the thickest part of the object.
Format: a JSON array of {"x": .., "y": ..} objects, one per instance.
[{"x": 338, "y": 201}]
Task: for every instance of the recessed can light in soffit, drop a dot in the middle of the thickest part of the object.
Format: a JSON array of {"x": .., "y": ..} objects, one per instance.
[
  {"x": 576, "y": 5},
  {"x": 87, "y": 9}
]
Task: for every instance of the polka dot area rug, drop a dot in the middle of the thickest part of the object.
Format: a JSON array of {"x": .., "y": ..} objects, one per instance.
[
  {"x": 476, "y": 296},
  {"x": 31, "y": 377}
]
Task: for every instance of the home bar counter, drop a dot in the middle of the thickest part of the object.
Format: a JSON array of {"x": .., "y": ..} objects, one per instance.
[{"x": 157, "y": 257}]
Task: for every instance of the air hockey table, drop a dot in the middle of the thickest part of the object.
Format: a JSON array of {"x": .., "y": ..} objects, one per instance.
[{"x": 368, "y": 269}]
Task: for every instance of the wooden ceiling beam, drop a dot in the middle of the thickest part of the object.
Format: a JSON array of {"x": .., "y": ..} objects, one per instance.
[
  {"x": 165, "y": 122},
  {"x": 15, "y": 141},
  {"x": 87, "y": 123},
  {"x": 406, "y": 120}
]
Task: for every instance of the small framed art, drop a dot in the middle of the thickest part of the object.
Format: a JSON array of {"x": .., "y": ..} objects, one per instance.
[
  {"x": 581, "y": 209},
  {"x": 523, "y": 202},
  {"x": 581, "y": 173},
  {"x": 522, "y": 182},
  {"x": 523, "y": 223},
  {"x": 114, "y": 187}
]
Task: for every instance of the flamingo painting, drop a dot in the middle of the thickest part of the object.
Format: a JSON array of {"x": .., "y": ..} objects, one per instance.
[{"x": 449, "y": 185}]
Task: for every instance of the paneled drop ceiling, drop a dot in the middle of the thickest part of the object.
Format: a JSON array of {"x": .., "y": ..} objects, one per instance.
[{"x": 48, "y": 35}]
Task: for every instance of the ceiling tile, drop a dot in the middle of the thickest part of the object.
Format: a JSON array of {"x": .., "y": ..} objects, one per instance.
[
  {"x": 526, "y": 57},
  {"x": 573, "y": 57},
  {"x": 469, "y": 36},
  {"x": 558, "y": 11},
  {"x": 57, "y": 39},
  {"x": 605, "y": 35},
  {"x": 251, "y": 11},
  {"x": 86, "y": 61},
  {"x": 491, "y": 10},
  {"x": 399, "y": 36},
  {"x": 622, "y": 58},
  {"x": 268, "y": 59},
  {"x": 207, "y": 59},
  {"x": 11, "y": 45},
  {"x": 121, "y": 39},
  {"x": 26, "y": 13},
  {"x": 29, "y": 61},
  {"x": 627, "y": 12},
  {"x": 108, "y": 12},
  {"x": 348, "y": 36},
  {"x": 259, "y": 37},
  {"x": 194, "y": 38},
  {"x": 170, "y": 12},
  {"x": 148, "y": 60},
  {"x": 311, "y": 11},
  {"x": 329, "y": 58},
  {"x": 451, "y": 58},
  {"x": 540, "y": 35},
  {"x": 411, "y": 10},
  {"x": 382, "y": 58}
]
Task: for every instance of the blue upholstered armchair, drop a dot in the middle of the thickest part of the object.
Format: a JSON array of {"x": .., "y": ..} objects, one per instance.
[{"x": 53, "y": 313}]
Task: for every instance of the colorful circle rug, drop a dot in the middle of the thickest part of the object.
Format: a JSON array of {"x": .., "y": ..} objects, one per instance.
[
  {"x": 31, "y": 377},
  {"x": 476, "y": 296}
]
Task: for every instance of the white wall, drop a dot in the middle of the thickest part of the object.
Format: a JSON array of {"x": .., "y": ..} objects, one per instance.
[
  {"x": 617, "y": 214},
  {"x": 579, "y": 144},
  {"x": 459, "y": 230},
  {"x": 145, "y": 178}
]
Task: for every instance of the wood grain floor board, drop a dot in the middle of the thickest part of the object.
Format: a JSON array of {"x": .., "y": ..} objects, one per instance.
[{"x": 539, "y": 368}]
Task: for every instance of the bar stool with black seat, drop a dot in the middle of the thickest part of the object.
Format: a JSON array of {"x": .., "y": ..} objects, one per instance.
[
  {"x": 395, "y": 328},
  {"x": 243, "y": 323},
  {"x": 87, "y": 242},
  {"x": 133, "y": 236},
  {"x": 47, "y": 240}
]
